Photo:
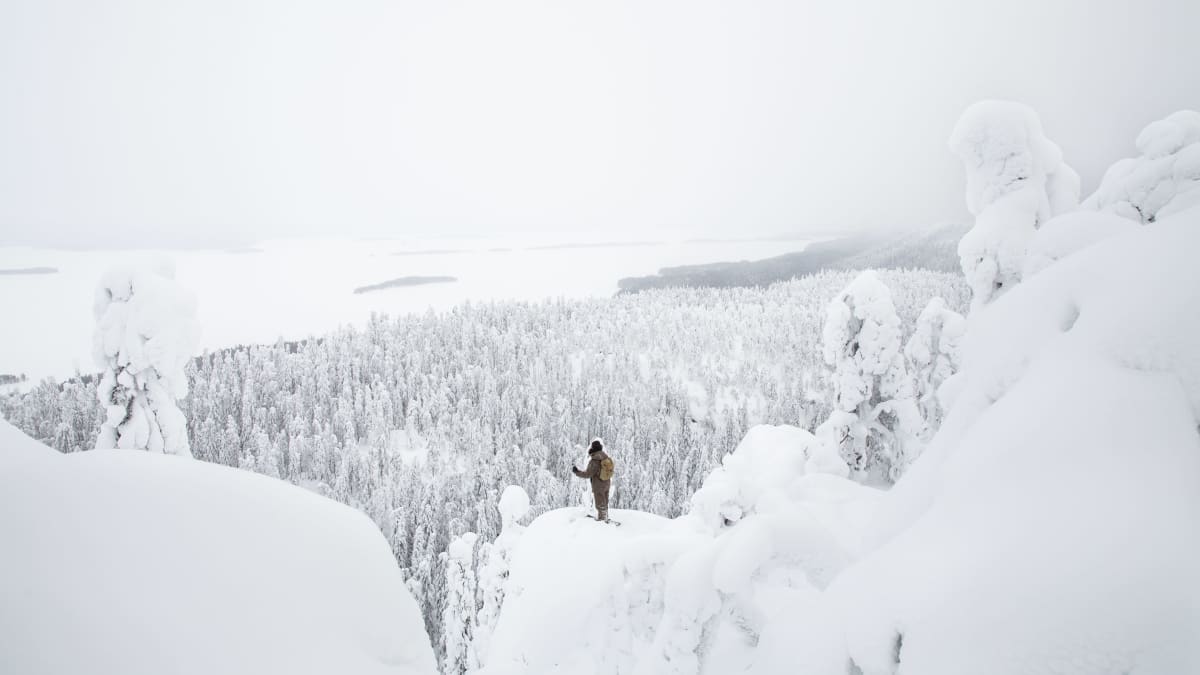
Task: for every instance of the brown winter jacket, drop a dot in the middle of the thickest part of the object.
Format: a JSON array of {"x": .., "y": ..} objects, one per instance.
[{"x": 593, "y": 472}]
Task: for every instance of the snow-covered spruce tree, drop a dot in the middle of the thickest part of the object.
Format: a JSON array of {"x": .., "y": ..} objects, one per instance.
[
  {"x": 1164, "y": 178},
  {"x": 493, "y": 569},
  {"x": 1016, "y": 180},
  {"x": 932, "y": 353},
  {"x": 145, "y": 333},
  {"x": 458, "y": 618},
  {"x": 875, "y": 421}
]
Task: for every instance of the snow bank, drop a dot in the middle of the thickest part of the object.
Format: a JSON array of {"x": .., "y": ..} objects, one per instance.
[
  {"x": 131, "y": 562},
  {"x": 1070, "y": 233},
  {"x": 1050, "y": 527}
]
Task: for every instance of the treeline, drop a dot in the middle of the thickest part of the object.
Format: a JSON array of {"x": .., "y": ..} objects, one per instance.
[
  {"x": 931, "y": 248},
  {"x": 421, "y": 421}
]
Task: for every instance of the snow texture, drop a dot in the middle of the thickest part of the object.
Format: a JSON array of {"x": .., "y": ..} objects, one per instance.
[
  {"x": 137, "y": 563},
  {"x": 1162, "y": 180},
  {"x": 145, "y": 333},
  {"x": 1016, "y": 180},
  {"x": 1069, "y": 233}
]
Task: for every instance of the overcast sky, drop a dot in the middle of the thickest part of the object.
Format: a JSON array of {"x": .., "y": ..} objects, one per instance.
[{"x": 209, "y": 121}]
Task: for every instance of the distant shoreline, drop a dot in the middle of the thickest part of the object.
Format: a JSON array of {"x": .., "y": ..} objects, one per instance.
[{"x": 404, "y": 282}]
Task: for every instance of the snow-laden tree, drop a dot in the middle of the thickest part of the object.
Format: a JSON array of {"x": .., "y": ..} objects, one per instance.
[
  {"x": 933, "y": 354},
  {"x": 1163, "y": 178},
  {"x": 1016, "y": 180},
  {"x": 458, "y": 618},
  {"x": 145, "y": 333},
  {"x": 493, "y": 568},
  {"x": 875, "y": 421}
]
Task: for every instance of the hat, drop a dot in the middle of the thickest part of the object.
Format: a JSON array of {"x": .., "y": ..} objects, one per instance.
[{"x": 597, "y": 446}]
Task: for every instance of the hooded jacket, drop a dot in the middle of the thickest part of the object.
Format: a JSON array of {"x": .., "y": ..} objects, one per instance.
[{"x": 592, "y": 472}]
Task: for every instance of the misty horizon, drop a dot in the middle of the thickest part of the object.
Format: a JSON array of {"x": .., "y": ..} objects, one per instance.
[{"x": 138, "y": 124}]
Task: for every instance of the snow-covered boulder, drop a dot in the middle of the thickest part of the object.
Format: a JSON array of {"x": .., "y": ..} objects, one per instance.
[
  {"x": 1051, "y": 525},
  {"x": 139, "y": 563}
]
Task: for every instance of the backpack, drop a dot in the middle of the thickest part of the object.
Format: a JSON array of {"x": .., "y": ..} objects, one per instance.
[{"x": 607, "y": 466}]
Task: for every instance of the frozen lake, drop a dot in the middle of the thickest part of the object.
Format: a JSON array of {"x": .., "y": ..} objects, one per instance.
[{"x": 297, "y": 288}]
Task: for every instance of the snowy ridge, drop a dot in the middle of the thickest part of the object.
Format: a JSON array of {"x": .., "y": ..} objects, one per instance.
[{"x": 134, "y": 562}]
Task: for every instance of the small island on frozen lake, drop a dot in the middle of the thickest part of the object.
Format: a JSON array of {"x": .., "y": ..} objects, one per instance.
[
  {"x": 405, "y": 281},
  {"x": 28, "y": 270}
]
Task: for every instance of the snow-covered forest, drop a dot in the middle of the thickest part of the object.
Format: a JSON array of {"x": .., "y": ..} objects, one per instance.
[
  {"x": 421, "y": 421},
  {"x": 914, "y": 391}
]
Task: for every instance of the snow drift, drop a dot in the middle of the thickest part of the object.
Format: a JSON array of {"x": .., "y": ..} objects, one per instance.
[{"x": 120, "y": 562}]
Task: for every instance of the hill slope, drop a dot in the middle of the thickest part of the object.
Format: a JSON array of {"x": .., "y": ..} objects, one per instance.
[{"x": 933, "y": 248}]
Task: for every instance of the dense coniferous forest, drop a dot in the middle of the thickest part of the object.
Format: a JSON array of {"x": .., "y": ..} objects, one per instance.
[{"x": 421, "y": 421}]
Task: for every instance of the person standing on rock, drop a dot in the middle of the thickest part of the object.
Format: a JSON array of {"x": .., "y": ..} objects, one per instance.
[{"x": 600, "y": 471}]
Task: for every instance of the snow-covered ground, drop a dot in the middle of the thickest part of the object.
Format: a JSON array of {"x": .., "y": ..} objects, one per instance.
[
  {"x": 675, "y": 596},
  {"x": 125, "y": 562},
  {"x": 296, "y": 288},
  {"x": 574, "y": 603},
  {"x": 1050, "y": 528}
]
